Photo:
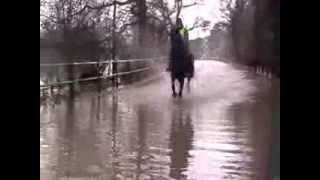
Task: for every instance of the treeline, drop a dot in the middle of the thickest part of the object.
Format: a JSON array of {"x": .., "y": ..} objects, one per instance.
[
  {"x": 85, "y": 28},
  {"x": 249, "y": 32}
]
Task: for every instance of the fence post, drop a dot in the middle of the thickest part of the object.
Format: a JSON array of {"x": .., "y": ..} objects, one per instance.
[
  {"x": 129, "y": 69},
  {"x": 51, "y": 87},
  {"x": 58, "y": 79},
  {"x": 99, "y": 80},
  {"x": 70, "y": 70}
]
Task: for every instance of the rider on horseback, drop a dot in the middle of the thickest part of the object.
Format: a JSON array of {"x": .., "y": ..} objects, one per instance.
[
  {"x": 180, "y": 60},
  {"x": 179, "y": 39}
]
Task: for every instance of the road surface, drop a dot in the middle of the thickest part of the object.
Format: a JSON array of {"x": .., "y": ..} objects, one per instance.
[{"x": 223, "y": 129}]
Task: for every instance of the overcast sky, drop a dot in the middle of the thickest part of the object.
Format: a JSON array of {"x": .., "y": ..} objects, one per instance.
[{"x": 209, "y": 10}]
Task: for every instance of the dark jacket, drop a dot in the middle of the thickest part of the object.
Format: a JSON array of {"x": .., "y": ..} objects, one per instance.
[{"x": 180, "y": 60}]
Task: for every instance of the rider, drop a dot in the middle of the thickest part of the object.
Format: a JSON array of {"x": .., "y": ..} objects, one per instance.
[{"x": 179, "y": 39}]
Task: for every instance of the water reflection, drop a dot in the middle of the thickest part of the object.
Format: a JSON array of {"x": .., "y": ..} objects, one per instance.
[
  {"x": 114, "y": 149},
  {"x": 142, "y": 130},
  {"x": 180, "y": 143},
  {"x": 66, "y": 153}
]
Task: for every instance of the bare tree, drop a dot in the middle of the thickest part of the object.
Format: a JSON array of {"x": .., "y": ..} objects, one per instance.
[
  {"x": 255, "y": 30},
  {"x": 88, "y": 23}
]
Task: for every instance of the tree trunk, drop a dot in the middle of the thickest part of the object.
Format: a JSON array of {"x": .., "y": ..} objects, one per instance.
[
  {"x": 114, "y": 69},
  {"x": 142, "y": 18}
]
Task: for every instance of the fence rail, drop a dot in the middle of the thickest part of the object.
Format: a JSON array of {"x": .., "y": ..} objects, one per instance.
[
  {"x": 44, "y": 86},
  {"x": 94, "y": 78},
  {"x": 99, "y": 62}
]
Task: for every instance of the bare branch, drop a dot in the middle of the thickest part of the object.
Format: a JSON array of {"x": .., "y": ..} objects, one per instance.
[
  {"x": 108, "y": 38},
  {"x": 125, "y": 26},
  {"x": 50, "y": 18},
  {"x": 152, "y": 16},
  {"x": 190, "y": 5},
  {"x": 102, "y": 6},
  {"x": 199, "y": 23}
]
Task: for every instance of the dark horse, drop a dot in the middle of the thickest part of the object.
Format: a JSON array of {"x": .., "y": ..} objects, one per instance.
[{"x": 181, "y": 63}]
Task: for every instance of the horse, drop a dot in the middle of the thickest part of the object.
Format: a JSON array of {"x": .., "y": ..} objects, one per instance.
[{"x": 182, "y": 66}]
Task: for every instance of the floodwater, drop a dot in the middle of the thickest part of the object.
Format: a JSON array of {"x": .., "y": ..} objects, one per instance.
[{"x": 225, "y": 128}]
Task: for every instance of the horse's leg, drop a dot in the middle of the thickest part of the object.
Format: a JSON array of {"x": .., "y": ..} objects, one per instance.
[
  {"x": 181, "y": 81},
  {"x": 188, "y": 86},
  {"x": 173, "y": 86}
]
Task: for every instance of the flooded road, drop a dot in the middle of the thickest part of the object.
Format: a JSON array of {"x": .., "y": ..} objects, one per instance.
[{"x": 223, "y": 129}]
